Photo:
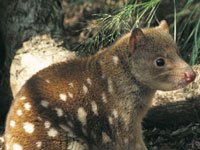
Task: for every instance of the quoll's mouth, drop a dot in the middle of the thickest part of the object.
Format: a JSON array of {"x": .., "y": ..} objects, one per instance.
[{"x": 181, "y": 84}]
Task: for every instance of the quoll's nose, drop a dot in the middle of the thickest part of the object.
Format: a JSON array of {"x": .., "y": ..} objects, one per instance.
[{"x": 190, "y": 76}]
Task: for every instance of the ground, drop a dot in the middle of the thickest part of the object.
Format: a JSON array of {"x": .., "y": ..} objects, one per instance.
[{"x": 185, "y": 137}]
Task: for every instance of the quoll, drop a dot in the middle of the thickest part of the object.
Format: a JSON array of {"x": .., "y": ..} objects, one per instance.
[{"x": 97, "y": 102}]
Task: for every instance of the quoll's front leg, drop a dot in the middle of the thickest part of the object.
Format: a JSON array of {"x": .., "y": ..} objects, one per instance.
[
  {"x": 138, "y": 143},
  {"x": 137, "y": 146},
  {"x": 140, "y": 146}
]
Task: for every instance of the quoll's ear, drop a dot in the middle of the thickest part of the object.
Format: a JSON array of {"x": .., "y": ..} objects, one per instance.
[
  {"x": 164, "y": 26},
  {"x": 136, "y": 35}
]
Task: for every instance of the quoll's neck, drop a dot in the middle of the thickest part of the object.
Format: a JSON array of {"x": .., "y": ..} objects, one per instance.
[{"x": 129, "y": 96}]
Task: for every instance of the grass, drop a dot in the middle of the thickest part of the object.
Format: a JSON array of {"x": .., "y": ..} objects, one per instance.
[
  {"x": 184, "y": 24},
  {"x": 188, "y": 32},
  {"x": 110, "y": 26}
]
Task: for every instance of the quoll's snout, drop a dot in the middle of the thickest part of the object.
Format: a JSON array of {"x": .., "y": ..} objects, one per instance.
[{"x": 190, "y": 75}]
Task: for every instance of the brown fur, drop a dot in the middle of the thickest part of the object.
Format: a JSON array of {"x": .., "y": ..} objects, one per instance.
[{"x": 107, "y": 96}]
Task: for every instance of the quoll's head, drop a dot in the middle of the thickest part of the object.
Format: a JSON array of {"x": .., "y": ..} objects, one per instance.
[{"x": 155, "y": 61}]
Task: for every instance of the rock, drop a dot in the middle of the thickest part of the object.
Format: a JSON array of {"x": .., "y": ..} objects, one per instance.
[{"x": 37, "y": 53}]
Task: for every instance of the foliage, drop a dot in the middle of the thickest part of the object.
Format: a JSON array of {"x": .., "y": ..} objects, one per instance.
[
  {"x": 184, "y": 24},
  {"x": 110, "y": 26},
  {"x": 188, "y": 31}
]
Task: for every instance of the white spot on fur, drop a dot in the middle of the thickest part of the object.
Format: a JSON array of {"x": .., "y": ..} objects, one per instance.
[
  {"x": 103, "y": 95},
  {"x": 71, "y": 84},
  {"x": 7, "y": 146},
  {"x": 28, "y": 127},
  {"x": 19, "y": 112},
  {"x": 70, "y": 95},
  {"x": 23, "y": 98},
  {"x": 39, "y": 144},
  {"x": 110, "y": 119},
  {"x": 82, "y": 115},
  {"x": 47, "y": 124},
  {"x": 115, "y": 113},
  {"x": 44, "y": 103},
  {"x": 126, "y": 119},
  {"x": 7, "y": 136},
  {"x": 89, "y": 81},
  {"x": 17, "y": 147},
  {"x": 94, "y": 107},
  {"x": 71, "y": 145},
  {"x": 70, "y": 124},
  {"x": 65, "y": 128},
  {"x": 27, "y": 106},
  {"x": 103, "y": 76},
  {"x": 59, "y": 112},
  {"x": 115, "y": 60},
  {"x": 126, "y": 140},
  {"x": 39, "y": 118},
  {"x": 2, "y": 140},
  {"x": 68, "y": 130},
  {"x": 105, "y": 138},
  {"x": 85, "y": 89},
  {"x": 76, "y": 146},
  {"x": 47, "y": 81},
  {"x": 52, "y": 132},
  {"x": 63, "y": 97},
  {"x": 12, "y": 123},
  {"x": 110, "y": 85}
]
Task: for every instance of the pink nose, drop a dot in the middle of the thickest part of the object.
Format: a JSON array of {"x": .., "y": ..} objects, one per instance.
[{"x": 190, "y": 76}]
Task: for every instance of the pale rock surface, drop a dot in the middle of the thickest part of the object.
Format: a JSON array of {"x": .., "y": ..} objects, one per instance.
[{"x": 36, "y": 54}]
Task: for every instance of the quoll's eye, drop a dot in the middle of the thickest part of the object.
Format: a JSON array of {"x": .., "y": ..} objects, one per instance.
[{"x": 160, "y": 62}]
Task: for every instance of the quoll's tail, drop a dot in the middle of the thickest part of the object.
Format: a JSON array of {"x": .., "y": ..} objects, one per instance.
[{"x": 2, "y": 143}]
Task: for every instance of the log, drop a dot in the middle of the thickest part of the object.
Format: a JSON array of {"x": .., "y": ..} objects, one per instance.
[{"x": 173, "y": 114}]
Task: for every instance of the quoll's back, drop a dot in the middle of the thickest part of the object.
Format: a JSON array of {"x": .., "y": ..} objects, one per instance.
[{"x": 97, "y": 102}]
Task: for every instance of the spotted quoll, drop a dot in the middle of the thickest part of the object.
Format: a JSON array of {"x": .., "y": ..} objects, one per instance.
[{"x": 98, "y": 102}]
